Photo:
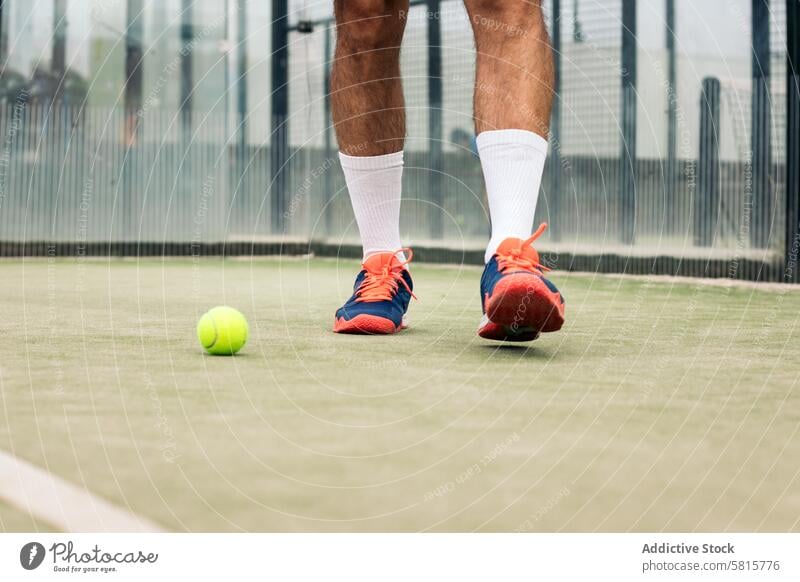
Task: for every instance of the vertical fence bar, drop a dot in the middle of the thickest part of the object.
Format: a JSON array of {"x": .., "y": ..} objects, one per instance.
[
  {"x": 58, "y": 63},
  {"x": 327, "y": 129},
  {"x": 279, "y": 150},
  {"x": 435, "y": 129},
  {"x": 672, "y": 116},
  {"x": 184, "y": 169},
  {"x": 761, "y": 143},
  {"x": 228, "y": 145},
  {"x": 706, "y": 205},
  {"x": 55, "y": 134},
  {"x": 134, "y": 36},
  {"x": 239, "y": 190},
  {"x": 187, "y": 77},
  {"x": 792, "y": 240},
  {"x": 628, "y": 151},
  {"x": 555, "y": 124},
  {"x": 279, "y": 141},
  {"x": 3, "y": 37},
  {"x": 7, "y": 161},
  {"x": 241, "y": 79}
]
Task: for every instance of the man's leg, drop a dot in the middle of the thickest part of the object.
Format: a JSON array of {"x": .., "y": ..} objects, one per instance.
[
  {"x": 368, "y": 112},
  {"x": 513, "y": 98}
]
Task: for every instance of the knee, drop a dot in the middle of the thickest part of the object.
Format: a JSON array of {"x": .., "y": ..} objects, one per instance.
[
  {"x": 504, "y": 17},
  {"x": 364, "y": 25}
]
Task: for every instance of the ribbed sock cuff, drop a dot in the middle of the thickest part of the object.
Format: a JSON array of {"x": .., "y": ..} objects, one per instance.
[
  {"x": 516, "y": 137},
  {"x": 383, "y": 162}
]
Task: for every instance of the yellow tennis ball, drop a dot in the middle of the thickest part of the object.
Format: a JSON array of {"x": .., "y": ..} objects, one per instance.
[{"x": 222, "y": 331}]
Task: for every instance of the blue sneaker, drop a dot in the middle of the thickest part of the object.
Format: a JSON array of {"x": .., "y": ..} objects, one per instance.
[
  {"x": 518, "y": 302},
  {"x": 381, "y": 294}
]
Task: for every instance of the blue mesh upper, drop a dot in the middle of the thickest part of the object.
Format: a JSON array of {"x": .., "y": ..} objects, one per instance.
[
  {"x": 392, "y": 310},
  {"x": 491, "y": 276}
]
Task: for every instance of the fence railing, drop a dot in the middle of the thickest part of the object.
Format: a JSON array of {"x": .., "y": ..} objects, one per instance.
[{"x": 707, "y": 184}]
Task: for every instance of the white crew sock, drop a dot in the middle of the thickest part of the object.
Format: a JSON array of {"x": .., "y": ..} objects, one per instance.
[
  {"x": 375, "y": 184},
  {"x": 513, "y": 164}
]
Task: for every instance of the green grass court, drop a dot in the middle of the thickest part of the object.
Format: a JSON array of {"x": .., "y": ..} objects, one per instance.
[{"x": 662, "y": 405}]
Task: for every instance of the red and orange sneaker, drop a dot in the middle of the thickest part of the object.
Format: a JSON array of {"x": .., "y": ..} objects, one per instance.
[
  {"x": 518, "y": 302},
  {"x": 381, "y": 294}
]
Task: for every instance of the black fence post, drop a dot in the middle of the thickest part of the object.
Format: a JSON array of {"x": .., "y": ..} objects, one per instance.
[
  {"x": 58, "y": 63},
  {"x": 627, "y": 210},
  {"x": 706, "y": 203},
  {"x": 279, "y": 142},
  {"x": 187, "y": 76},
  {"x": 672, "y": 118},
  {"x": 3, "y": 37},
  {"x": 185, "y": 177},
  {"x": 241, "y": 81},
  {"x": 134, "y": 35},
  {"x": 328, "y": 129},
  {"x": 792, "y": 241},
  {"x": 761, "y": 128},
  {"x": 133, "y": 57},
  {"x": 238, "y": 190},
  {"x": 555, "y": 126},
  {"x": 435, "y": 128}
]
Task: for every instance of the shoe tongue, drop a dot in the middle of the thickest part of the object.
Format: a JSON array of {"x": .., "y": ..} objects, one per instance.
[
  {"x": 517, "y": 246},
  {"x": 377, "y": 262}
]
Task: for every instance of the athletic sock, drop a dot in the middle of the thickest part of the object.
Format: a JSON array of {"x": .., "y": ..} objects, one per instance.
[
  {"x": 513, "y": 164},
  {"x": 375, "y": 184}
]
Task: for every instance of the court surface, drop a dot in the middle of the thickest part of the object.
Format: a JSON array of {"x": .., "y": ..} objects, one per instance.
[{"x": 662, "y": 405}]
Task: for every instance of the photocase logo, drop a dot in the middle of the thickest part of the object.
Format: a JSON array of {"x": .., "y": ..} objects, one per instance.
[{"x": 31, "y": 555}]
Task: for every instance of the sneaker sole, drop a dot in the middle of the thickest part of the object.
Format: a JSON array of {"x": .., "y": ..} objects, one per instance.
[
  {"x": 523, "y": 306},
  {"x": 367, "y": 325},
  {"x": 493, "y": 331}
]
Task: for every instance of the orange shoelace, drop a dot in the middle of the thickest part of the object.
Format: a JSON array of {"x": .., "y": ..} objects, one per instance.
[
  {"x": 382, "y": 285},
  {"x": 515, "y": 258}
]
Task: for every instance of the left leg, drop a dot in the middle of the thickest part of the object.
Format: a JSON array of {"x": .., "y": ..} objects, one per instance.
[
  {"x": 369, "y": 114},
  {"x": 513, "y": 100},
  {"x": 514, "y": 77},
  {"x": 512, "y": 103}
]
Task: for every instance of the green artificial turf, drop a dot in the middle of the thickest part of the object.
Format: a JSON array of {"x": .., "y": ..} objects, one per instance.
[{"x": 660, "y": 405}]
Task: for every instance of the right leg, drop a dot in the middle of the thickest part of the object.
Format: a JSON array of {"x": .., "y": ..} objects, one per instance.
[
  {"x": 368, "y": 112},
  {"x": 366, "y": 91},
  {"x": 369, "y": 116}
]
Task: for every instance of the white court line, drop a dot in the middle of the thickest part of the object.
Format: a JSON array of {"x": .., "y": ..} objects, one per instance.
[{"x": 61, "y": 504}]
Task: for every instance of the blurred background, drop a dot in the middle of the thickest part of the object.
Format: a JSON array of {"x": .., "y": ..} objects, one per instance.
[{"x": 183, "y": 127}]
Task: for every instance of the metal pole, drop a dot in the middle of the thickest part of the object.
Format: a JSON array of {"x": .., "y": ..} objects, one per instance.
[
  {"x": 706, "y": 207},
  {"x": 228, "y": 141},
  {"x": 435, "y": 129},
  {"x": 187, "y": 78},
  {"x": 240, "y": 153},
  {"x": 279, "y": 150},
  {"x": 59, "y": 58},
  {"x": 241, "y": 59},
  {"x": 227, "y": 70},
  {"x": 555, "y": 125},
  {"x": 133, "y": 102},
  {"x": 328, "y": 130},
  {"x": 133, "y": 58},
  {"x": 3, "y": 37},
  {"x": 628, "y": 152},
  {"x": 185, "y": 178},
  {"x": 672, "y": 116},
  {"x": 761, "y": 127},
  {"x": 792, "y": 242},
  {"x": 577, "y": 29}
]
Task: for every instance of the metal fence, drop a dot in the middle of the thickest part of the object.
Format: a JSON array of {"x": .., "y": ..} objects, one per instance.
[{"x": 668, "y": 152}]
